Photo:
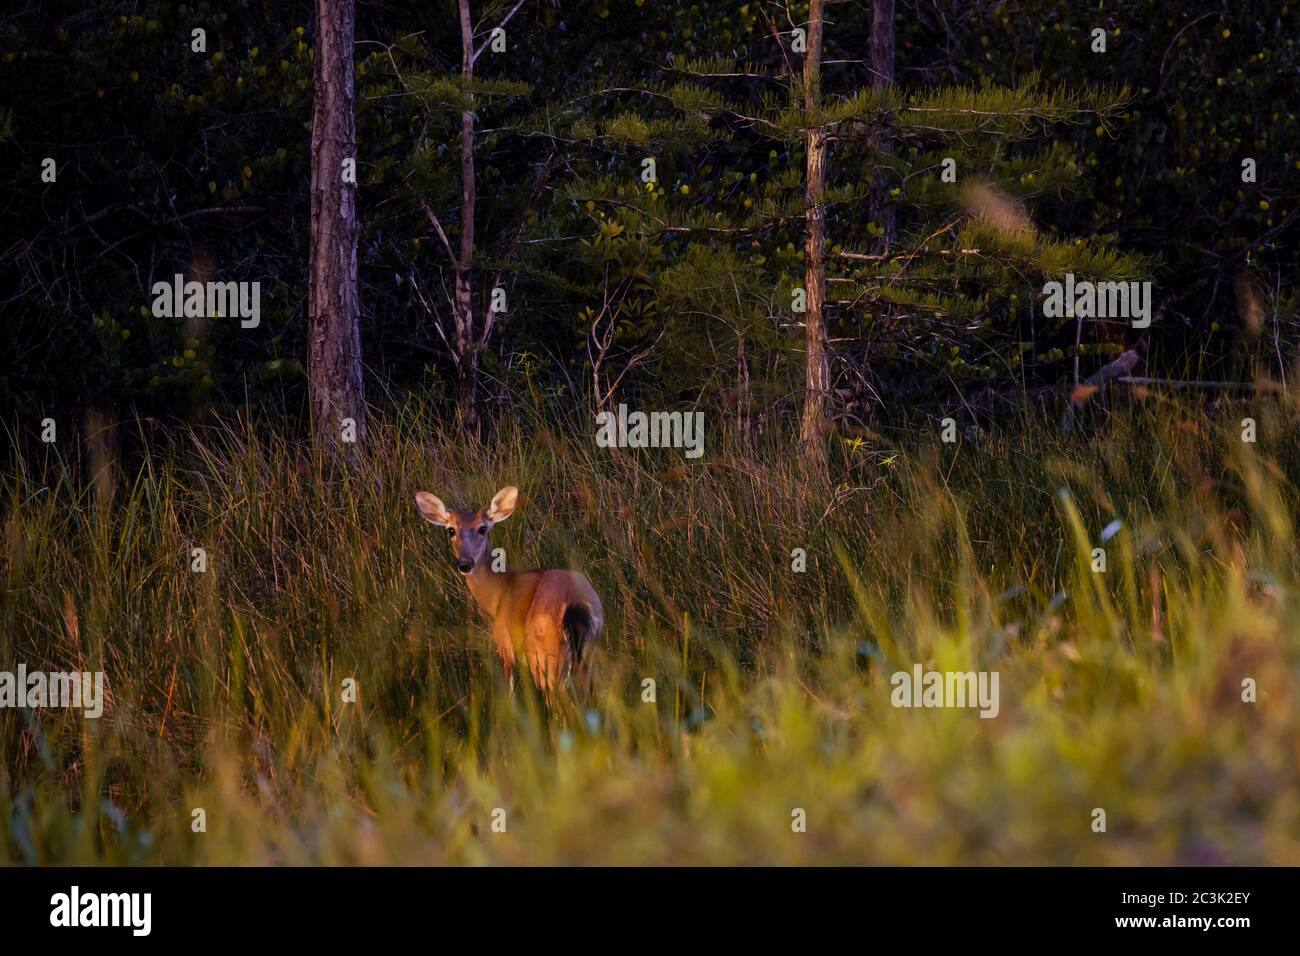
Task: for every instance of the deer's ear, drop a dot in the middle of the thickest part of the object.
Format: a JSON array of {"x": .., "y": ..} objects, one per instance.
[
  {"x": 432, "y": 509},
  {"x": 503, "y": 504}
]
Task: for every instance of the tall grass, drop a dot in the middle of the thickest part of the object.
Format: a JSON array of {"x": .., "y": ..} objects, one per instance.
[{"x": 1120, "y": 690}]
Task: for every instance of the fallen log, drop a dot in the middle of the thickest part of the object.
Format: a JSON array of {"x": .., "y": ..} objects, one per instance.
[{"x": 1117, "y": 368}]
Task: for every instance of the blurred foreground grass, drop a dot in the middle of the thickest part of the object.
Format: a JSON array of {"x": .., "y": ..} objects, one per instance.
[{"x": 1120, "y": 690}]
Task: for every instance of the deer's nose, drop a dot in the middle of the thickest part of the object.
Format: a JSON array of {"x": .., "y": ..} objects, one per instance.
[{"x": 465, "y": 565}]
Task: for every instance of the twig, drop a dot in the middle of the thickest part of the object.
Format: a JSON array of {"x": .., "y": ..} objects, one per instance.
[
  {"x": 1181, "y": 383},
  {"x": 504, "y": 20}
]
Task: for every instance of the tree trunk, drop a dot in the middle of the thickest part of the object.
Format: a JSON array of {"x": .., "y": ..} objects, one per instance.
[
  {"x": 337, "y": 390},
  {"x": 467, "y": 390},
  {"x": 467, "y": 344},
  {"x": 882, "y": 211},
  {"x": 817, "y": 376}
]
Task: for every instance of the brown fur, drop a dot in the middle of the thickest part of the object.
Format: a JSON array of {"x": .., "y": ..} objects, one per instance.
[{"x": 529, "y": 609}]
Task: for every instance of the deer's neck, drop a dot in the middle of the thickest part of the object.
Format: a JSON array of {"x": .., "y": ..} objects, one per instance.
[{"x": 486, "y": 586}]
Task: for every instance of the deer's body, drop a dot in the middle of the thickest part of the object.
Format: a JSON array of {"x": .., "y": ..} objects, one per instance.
[{"x": 550, "y": 617}]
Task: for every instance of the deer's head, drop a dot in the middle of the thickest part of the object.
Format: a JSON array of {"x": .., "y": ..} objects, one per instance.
[{"x": 468, "y": 530}]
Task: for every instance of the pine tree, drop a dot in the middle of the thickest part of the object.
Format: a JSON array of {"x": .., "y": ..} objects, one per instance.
[
  {"x": 476, "y": 311},
  {"x": 944, "y": 298},
  {"x": 333, "y": 312}
]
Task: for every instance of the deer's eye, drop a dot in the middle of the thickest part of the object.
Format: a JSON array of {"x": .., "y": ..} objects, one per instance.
[
  {"x": 482, "y": 529},
  {"x": 451, "y": 532}
]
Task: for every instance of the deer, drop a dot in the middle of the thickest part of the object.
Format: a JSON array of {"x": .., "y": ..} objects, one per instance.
[{"x": 552, "y": 616}]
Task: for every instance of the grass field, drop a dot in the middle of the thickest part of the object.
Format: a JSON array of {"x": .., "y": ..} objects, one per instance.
[{"x": 1120, "y": 691}]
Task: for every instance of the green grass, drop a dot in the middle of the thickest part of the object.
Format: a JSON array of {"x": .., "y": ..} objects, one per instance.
[{"x": 1119, "y": 691}]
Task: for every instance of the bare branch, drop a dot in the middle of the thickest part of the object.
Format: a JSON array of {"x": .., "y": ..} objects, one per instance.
[
  {"x": 446, "y": 243},
  {"x": 488, "y": 41}
]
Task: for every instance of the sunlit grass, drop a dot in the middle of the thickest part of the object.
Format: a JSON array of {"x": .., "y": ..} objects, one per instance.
[{"x": 1119, "y": 690}]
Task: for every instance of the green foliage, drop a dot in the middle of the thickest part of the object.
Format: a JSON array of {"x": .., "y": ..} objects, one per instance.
[
  {"x": 147, "y": 188},
  {"x": 170, "y": 160},
  {"x": 968, "y": 296},
  {"x": 1212, "y": 86},
  {"x": 772, "y": 687}
]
